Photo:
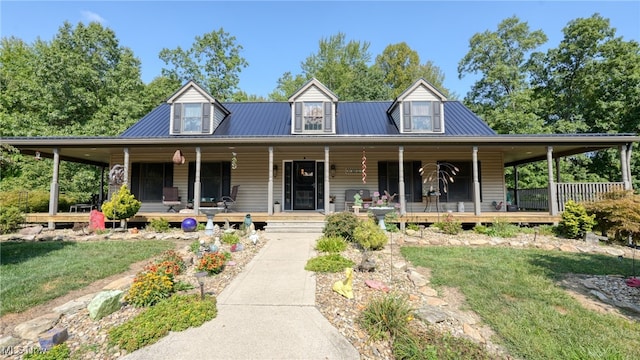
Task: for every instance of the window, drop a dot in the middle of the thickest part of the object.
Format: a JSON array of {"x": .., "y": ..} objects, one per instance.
[
  {"x": 313, "y": 116},
  {"x": 215, "y": 179},
  {"x": 421, "y": 116},
  {"x": 461, "y": 189},
  {"x": 148, "y": 179},
  {"x": 192, "y": 115},
  {"x": 389, "y": 179}
]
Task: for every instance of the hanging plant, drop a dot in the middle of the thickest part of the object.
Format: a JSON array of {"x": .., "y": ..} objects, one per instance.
[
  {"x": 364, "y": 167},
  {"x": 234, "y": 161}
]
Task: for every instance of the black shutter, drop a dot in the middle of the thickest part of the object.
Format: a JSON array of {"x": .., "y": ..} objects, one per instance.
[
  {"x": 406, "y": 119},
  {"x": 298, "y": 118},
  {"x": 416, "y": 180},
  {"x": 191, "y": 180},
  {"x": 383, "y": 181},
  {"x": 177, "y": 117},
  {"x": 327, "y": 117},
  {"x": 168, "y": 174},
  {"x": 435, "y": 106},
  {"x": 226, "y": 178},
  {"x": 206, "y": 115}
]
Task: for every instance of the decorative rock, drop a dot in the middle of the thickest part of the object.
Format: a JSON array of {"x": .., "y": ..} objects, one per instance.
[
  {"x": 120, "y": 284},
  {"x": 615, "y": 252},
  {"x": 434, "y": 301},
  {"x": 8, "y": 341},
  {"x": 568, "y": 248},
  {"x": 74, "y": 305},
  {"x": 472, "y": 333},
  {"x": 399, "y": 266},
  {"x": 417, "y": 279},
  {"x": 432, "y": 315},
  {"x": 592, "y": 238},
  {"x": 478, "y": 242},
  {"x": 31, "y": 230},
  {"x": 31, "y": 329},
  {"x": 367, "y": 264},
  {"x": 52, "y": 337},
  {"x": 427, "y": 291},
  {"x": 411, "y": 232},
  {"x": 378, "y": 285},
  {"x": 602, "y": 297},
  {"x": 105, "y": 303}
]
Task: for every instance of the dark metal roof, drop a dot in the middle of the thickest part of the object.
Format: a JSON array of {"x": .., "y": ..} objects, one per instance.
[{"x": 250, "y": 119}]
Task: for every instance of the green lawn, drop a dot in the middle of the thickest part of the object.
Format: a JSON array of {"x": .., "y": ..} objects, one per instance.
[
  {"x": 514, "y": 291},
  {"x": 32, "y": 273}
]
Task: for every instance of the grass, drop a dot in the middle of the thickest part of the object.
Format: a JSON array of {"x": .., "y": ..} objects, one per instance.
[
  {"x": 33, "y": 273},
  {"x": 514, "y": 291}
]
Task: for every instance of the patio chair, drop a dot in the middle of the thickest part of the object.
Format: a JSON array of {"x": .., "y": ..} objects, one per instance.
[
  {"x": 170, "y": 198},
  {"x": 229, "y": 201}
]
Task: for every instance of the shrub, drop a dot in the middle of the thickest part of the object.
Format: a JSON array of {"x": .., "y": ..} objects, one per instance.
[
  {"x": 213, "y": 263},
  {"x": 413, "y": 226},
  {"x": 334, "y": 244},
  {"x": 175, "y": 314},
  {"x": 159, "y": 225},
  {"x": 386, "y": 317},
  {"x": 503, "y": 229},
  {"x": 148, "y": 288},
  {"x": 122, "y": 205},
  {"x": 230, "y": 238},
  {"x": 617, "y": 214},
  {"x": 194, "y": 247},
  {"x": 410, "y": 346},
  {"x": 369, "y": 235},
  {"x": 449, "y": 225},
  {"x": 57, "y": 352},
  {"x": 575, "y": 221},
  {"x": 10, "y": 219},
  {"x": 331, "y": 263},
  {"x": 341, "y": 224},
  {"x": 36, "y": 200}
]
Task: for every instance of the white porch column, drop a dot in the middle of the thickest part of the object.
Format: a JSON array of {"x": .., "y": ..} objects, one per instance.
[
  {"x": 476, "y": 183},
  {"x": 553, "y": 196},
  {"x": 403, "y": 200},
  {"x": 327, "y": 186},
  {"x": 197, "y": 184},
  {"x": 624, "y": 166},
  {"x": 270, "y": 183},
  {"x": 54, "y": 189},
  {"x": 629, "y": 151},
  {"x": 126, "y": 167}
]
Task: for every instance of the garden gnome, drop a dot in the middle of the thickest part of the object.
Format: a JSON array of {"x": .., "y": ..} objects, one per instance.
[{"x": 345, "y": 287}]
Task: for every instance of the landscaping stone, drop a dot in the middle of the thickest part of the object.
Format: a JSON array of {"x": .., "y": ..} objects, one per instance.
[
  {"x": 435, "y": 301},
  {"x": 427, "y": 291},
  {"x": 478, "y": 242},
  {"x": 31, "y": 230},
  {"x": 8, "y": 341},
  {"x": 472, "y": 333},
  {"x": 417, "y": 279},
  {"x": 74, "y": 306},
  {"x": 431, "y": 314},
  {"x": 568, "y": 248},
  {"x": 120, "y": 284},
  {"x": 105, "y": 303},
  {"x": 53, "y": 337},
  {"x": 31, "y": 329},
  {"x": 399, "y": 266}
]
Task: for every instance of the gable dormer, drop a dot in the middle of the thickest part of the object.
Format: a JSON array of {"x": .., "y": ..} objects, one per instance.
[
  {"x": 419, "y": 109},
  {"x": 194, "y": 111},
  {"x": 313, "y": 109}
]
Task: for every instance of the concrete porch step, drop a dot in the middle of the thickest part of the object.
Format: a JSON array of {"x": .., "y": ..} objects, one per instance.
[{"x": 295, "y": 226}]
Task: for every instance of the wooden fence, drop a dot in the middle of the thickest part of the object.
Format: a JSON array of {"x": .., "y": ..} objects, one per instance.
[{"x": 538, "y": 199}]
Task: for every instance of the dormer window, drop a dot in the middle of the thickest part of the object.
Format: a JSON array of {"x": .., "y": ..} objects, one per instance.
[
  {"x": 421, "y": 119},
  {"x": 192, "y": 115},
  {"x": 313, "y": 116}
]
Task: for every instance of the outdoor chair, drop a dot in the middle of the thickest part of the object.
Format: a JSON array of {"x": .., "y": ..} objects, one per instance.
[
  {"x": 170, "y": 198},
  {"x": 229, "y": 201}
]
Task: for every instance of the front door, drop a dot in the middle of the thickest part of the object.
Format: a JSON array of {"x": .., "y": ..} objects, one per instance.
[{"x": 304, "y": 185}]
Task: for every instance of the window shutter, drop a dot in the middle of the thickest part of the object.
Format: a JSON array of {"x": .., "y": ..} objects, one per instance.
[
  {"x": 437, "y": 122},
  {"x": 135, "y": 180},
  {"x": 406, "y": 119},
  {"x": 177, "y": 113},
  {"x": 226, "y": 177},
  {"x": 298, "y": 118},
  {"x": 327, "y": 117},
  {"x": 206, "y": 118},
  {"x": 168, "y": 174},
  {"x": 416, "y": 181}
]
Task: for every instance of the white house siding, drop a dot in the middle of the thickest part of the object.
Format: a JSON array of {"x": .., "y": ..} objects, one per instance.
[
  {"x": 218, "y": 116},
  {"x": 313, "y": 94},
  {"x": 191, "y": 96},
  {"x": 421, "y": 93},
  {"x": 253, "y": 171},
  {"x": 395, "y": 115}
]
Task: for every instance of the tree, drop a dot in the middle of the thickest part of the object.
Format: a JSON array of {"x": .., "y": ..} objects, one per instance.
[{"x": 213, "y": 61}]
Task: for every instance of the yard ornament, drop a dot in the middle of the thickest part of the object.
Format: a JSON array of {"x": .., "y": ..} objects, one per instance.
[
  {"x": 178, "y": 157},
  {"x": 116, "y": 175},
  {"x": 345, "y": 287},
  {"x": 364, "y": 167}
]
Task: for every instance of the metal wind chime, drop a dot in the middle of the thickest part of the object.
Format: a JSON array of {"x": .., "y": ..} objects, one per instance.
[{"x": 441, "y": 172}]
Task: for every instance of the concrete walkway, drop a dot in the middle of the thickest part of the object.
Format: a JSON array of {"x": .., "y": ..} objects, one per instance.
[{"x": 267, "y": 312}]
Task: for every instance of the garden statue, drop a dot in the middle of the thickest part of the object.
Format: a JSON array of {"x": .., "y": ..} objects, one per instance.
[{"x": 345, "y": 287}]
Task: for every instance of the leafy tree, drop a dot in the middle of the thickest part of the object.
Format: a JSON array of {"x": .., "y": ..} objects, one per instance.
[{"x": 213, "y": 61}]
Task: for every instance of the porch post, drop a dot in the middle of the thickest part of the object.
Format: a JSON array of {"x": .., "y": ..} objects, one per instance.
[
  {"x": 126, "y": 167},
  {"x": 197, "y": 184},
  {"x": 624, "y": 166},
  {"x": 515, "y": 185},
  {"x": 403, "y": 200},
  {"x": 270, "y": 183},
  {"x": 629, "y": 150},
  {"x": 53, "y": 192},
  {"x": 553, "y": 201},
  {"x": 476, "y": 183},
  {"x": 327, "y": 186},
  {"x": 558, "y": 170}
]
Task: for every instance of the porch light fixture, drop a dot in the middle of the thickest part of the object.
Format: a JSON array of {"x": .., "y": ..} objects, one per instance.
[
  {"x": 38, "y": 155},
  {"x": 332, "y": 170},
  {"x": 275, "y": 171}
]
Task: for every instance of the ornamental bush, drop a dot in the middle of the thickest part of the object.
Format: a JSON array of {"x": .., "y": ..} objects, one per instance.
[
  {"x": 213, "y": 263},
  {"x": 331, "y": 263},
  {"x": 333, "y": 244},
  {"x": 617, "y": 215},
  {"x": 159, "y": 225},
  {"x": 450, "y": 225},
  {"x": 122, "y": 205},
  {"x": 10, "y": 218},
  {"x": 148, "y": 288},
  {"x": 341, "y": 224},
  {"x": 386, "y": 317},
  {"x": 230, "y": 238},
  {"x": 575, "y": 221},
  {"x": 369, "y": 235}
]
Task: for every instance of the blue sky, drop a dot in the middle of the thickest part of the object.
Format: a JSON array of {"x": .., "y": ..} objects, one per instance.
[{"x": 278, "y": 36}]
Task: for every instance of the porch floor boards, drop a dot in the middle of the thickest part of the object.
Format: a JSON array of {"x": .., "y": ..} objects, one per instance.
[{"x": 528, "y": 217}]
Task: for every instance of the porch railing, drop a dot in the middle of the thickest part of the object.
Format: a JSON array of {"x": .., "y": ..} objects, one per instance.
[{"x": 538, "y": 199}]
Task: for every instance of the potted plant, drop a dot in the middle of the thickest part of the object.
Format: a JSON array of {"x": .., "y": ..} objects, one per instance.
[
  {"x": 277, "y": 207},
  {"x": 332, "y": 205}
]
